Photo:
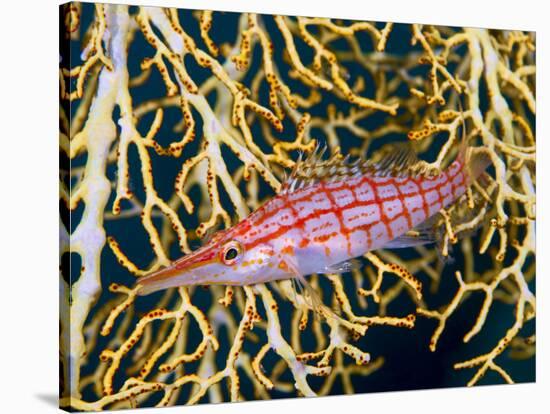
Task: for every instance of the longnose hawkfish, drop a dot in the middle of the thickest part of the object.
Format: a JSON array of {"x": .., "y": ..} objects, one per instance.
[{"x": 326, "y": 213}]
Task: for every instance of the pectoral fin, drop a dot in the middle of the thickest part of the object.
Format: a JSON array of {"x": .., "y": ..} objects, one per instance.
[
  {"x": 410, "y": 240},
  {"x": 308, "y": 292},
  {"x": 343, "y": 267}
]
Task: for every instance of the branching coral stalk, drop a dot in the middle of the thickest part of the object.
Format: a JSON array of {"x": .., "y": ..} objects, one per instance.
[
  {"x": 89, "y": 236},
  {"x": 323, "y": 53},
  {"x": 485, "y": 62}
]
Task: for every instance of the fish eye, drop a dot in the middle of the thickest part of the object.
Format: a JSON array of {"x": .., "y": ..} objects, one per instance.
[{"x": 231, "y": 252}]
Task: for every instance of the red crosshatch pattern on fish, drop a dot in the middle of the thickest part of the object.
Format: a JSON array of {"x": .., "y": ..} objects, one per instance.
[{"x": 357, "y": 205}]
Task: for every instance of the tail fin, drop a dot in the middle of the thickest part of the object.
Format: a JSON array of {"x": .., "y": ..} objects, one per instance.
[
  {"x": 475, "y": 160},
  {"x": 463, "y": 151}
]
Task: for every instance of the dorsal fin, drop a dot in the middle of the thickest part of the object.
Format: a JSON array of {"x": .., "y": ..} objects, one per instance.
[
  {"x": 395, "y": 162},
  {"x": 398, "y": 160}
]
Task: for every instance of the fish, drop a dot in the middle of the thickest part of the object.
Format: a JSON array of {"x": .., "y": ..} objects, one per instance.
[{"x": 327, "y": 213}]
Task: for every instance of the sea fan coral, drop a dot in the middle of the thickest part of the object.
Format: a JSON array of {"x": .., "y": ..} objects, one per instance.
[{"x": 175, "y": 123}]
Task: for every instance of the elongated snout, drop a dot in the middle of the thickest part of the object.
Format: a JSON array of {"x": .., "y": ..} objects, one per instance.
[{"x": 191, "y": 269}]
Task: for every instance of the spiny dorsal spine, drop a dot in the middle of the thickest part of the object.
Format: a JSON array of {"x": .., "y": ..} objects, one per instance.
[{"x": 308, "y": 171}]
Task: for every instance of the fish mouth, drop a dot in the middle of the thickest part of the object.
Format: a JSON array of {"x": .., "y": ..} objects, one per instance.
[
  {"x": 182, "y": 272},
  {"x": 161, "y": 279}
]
